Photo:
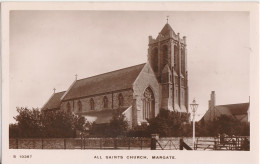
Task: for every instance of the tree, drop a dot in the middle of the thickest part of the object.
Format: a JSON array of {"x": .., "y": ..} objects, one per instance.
[
  {"x": 32, "y": 123},
  {"x": 118, "y": 125},
  {"x": 169, "y": 123},
  {"x": 14, "y": 131},
  {"x": 28, "y": 123},
  {"x": 59, "y": 124}
]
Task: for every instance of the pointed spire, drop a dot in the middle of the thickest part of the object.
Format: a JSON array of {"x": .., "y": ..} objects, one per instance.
[
  {"x": 167, "y": 18},
  {"x": 167, "y": 29}
]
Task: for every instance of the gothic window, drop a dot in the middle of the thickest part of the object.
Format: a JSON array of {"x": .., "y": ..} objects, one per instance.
[
  {"x": 155, "y": 59},
  {"x": 120, "y": 100},
  {"x": 68, "y": 107},
  {"x": 79, "y": 106},
  {"x": 92, "y": 104},
  {"x": 165, "y": 55},
  {"x": 176, "y": 80},
  {"x": 148, "y": 104},
  {"x": 182, "y": 82},
  {"x": 105, "y": 102},
  {"x": 182, "y": 61},
  {"x": 176, "y": 60}
]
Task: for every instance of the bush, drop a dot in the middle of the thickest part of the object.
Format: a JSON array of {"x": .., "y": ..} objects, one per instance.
[
  {"x": 117, "y": 126},
  {"x": 166, "y": 124}
]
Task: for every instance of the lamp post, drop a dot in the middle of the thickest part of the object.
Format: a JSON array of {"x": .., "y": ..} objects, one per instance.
[{"x": 194, "y": 107}]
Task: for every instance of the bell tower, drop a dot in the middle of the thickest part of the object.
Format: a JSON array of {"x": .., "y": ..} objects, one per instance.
[{"x": 167, "y": 55}]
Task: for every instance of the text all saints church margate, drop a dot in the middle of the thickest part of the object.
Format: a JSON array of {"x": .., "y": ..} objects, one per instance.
[{"x": 139, "y": 91}]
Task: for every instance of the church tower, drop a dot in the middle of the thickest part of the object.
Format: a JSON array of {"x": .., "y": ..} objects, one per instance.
[{"x": 167, "y": 54}]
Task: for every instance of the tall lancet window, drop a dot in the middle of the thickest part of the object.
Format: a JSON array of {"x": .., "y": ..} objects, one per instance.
[
  {"x": 165, "y": 55},
  {"x": 183, "y": 61},
  {"x": 148, "y": 104},
  {"x": 79, "y": 106},
  {"x": 155, "y": 60},
  {"x": 176, "y": 59},
  {"x": 120, "y": 100},
  {"x": 92, "y": 104},
  {"x": 105, "y": 102},
  {"x": 68, "y": 107}
]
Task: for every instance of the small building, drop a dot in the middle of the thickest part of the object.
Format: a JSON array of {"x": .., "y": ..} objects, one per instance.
[{"x": 238, "y": 111}]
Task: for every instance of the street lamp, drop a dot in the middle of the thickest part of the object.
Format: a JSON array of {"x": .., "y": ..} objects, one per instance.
[{"x": 194, "y": 107}]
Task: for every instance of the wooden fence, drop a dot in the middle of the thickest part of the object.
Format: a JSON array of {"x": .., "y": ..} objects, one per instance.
[
  {"x": 128, "y": 143},
  {"x": 224, "y": 143}
]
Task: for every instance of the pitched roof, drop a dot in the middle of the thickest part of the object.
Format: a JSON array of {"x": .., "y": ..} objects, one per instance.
[
  {"x": 54, "y": 102},
  {"x": 107, "y": 82},
  {"x": 234, "y": 109},
  {"x": 103, "y": 116},
  {"x": 167, "y": 29}
]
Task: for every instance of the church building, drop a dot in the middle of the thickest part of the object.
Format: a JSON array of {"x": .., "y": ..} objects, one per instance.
[
  {"x": 239, "y": 111},
  {"x": 139, "y": 91}
]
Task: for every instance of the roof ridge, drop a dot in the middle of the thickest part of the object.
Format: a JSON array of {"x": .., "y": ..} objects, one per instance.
[
  {"x": 232, "y": 104},
  {"x": 59, "y": 92},
  {"x": 110, "y": 72}
]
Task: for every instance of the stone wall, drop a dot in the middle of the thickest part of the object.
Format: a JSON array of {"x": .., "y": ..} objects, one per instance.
[{"x": 113, "y": 102}]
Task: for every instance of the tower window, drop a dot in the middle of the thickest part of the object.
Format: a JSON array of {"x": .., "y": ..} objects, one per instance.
[
  {"x": 165, "y": 55},
  {"x": 176, "y": 80},
  {"x": 79, "y": 106},
  {"x": 182, "y": 61},
  {"x": 92, "y": 104},
  {"x": 176, "y": 59},
  {"x": 120, "y": 100},
  {"x": 154, "y": 59},
  {"x": 105, "y": 102}
]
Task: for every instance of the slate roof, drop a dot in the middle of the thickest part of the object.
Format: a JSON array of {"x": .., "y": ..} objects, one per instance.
[
  {"x": 167, "y": 30},
  {"x": 234, "y": 109},
  {"x": 107, "y": 82},
  {"x": 238, "y": 111},
  {"x": 54, "y": 102}
]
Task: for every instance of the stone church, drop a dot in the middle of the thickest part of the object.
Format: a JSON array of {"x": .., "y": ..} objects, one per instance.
[{"x": 140, "y": 91}]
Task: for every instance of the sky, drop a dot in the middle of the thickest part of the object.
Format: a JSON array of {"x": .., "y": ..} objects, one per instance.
[{"x": 48, "y": 48}]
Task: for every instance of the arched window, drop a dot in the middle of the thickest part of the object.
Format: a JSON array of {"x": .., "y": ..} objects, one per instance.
[
  {"x": 105, "y": 102},
  {"x": 176, "y": 59},
  {"x": 165, "y": 55},
  {"x": 177, "y": 97},
  {"x": 68, "y": 107},
  {"x": 183, "y": 61},
  {"x": 79, "y": 106},
  {"x": 120, "y": 100},
  {"x": 155, "y": 59},
  {"x": 92, "y": 104},
  {"x": 148, "y": 104}
]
